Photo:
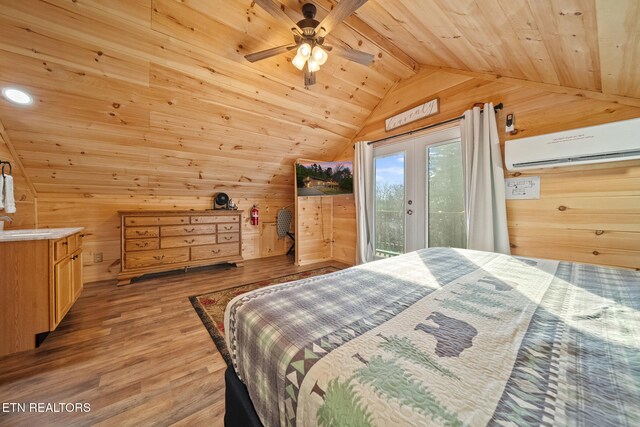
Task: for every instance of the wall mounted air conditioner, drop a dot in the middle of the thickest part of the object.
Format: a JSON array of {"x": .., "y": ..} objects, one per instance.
[{"x": 610, "y": 142}]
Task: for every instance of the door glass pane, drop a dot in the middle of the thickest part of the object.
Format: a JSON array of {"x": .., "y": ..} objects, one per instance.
[
  {"x": 389, "y": 205},
  {"x": 446, "y": 219}
]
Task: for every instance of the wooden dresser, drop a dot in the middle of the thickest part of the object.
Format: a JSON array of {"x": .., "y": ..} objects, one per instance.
[{"x": 155, "y": 241}]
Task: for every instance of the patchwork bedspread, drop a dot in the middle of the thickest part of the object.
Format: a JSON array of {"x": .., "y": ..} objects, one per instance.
[{"x": 443, "y": 337}]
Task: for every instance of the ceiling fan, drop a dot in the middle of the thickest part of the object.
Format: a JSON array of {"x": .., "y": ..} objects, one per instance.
[{"x": 309, "y": 36}]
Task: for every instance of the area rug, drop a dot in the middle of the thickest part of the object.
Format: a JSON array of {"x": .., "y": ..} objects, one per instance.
[{"x": 210, "y": 307}]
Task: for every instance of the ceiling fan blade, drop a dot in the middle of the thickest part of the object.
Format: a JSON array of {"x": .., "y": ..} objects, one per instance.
[
  {"x": 338, "y": 14},
  {"x": 354, "y": 55},
  {"x": 264, "y": 54},
  {"x": 275, "y": 10},
  {"x": 309, "y": 77}
]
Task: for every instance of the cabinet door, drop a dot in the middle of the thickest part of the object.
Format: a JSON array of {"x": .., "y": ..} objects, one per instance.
[
  {"x": 76, "y": 262},
  {"x": 63, "y": 279}
]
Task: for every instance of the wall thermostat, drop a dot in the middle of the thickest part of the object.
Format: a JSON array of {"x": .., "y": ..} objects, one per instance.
[{"x": 510, "y": 126}]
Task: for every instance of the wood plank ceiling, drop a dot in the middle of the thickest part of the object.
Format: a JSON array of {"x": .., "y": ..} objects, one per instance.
[{"x": 154, "y": 97}]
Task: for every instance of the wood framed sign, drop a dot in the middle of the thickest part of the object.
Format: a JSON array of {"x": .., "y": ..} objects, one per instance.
[{"x": 427, "y": 109}]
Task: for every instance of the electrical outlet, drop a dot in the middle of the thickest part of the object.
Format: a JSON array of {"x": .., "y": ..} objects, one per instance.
[{"x": 97, "y": 257}]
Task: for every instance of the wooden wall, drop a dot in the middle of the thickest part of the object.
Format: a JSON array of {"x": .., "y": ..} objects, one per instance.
[
  {"x": 25, "y": 216},
  {"x": 586, "y": 213}
]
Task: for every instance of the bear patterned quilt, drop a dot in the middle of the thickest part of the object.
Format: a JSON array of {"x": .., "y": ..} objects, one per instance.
[{"x": 443, "y": 337}]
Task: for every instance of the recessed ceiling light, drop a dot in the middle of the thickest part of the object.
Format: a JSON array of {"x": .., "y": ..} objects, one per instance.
[{"x": 17, "y": 96}]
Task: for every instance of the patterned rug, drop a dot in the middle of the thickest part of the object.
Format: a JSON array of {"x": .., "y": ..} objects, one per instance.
[{"x": 210, "y": 307}]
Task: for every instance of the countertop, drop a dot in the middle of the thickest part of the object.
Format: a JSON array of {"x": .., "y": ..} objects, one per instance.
[{"x": 37, "y": 234}]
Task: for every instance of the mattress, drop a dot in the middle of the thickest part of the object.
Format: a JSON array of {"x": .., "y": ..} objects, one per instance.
[{"x": 443, "y": 337}]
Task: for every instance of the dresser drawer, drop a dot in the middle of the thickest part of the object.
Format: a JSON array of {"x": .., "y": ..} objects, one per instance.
[
  {"x": 228, "y": 237},
  {"x": 229, "y": 227},
  {"x": 155, "y": 220},
  {"x": 214, "y": 251},
  {"x": 145, "y": 259},
  {"x": 187, "y": 230},
  {"x": 179, "y": 241},
  {"x": 141, "y": 232},
  {"x": 214, "y": 219},
  {"x": 141, "y": 244}
]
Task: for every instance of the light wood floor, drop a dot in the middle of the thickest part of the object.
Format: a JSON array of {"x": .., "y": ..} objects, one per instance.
[{"x": 139, "y": 354}]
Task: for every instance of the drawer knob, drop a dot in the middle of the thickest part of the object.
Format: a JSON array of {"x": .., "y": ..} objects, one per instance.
[
  {"x": 228, "y": 238},
  {"x": 189, "y": 230},
  {"x": 65, "y": 243},
  {"x": 142, "y": 233},
  {"x": 189, "y": 241},
  {"x": 215, "y": 251},
  {"x": 227, "y": 228},
  {"x": 142, "y": 245},
  {"x": 74, "y": 257},
  {"x": 158, "y": 257}
]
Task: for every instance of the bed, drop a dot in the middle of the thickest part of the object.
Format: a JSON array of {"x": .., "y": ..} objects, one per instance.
[{"x": 442, "y": 337}]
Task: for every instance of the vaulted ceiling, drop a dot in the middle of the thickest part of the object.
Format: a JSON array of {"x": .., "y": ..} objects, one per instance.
[{"x": 154, "y": 97}]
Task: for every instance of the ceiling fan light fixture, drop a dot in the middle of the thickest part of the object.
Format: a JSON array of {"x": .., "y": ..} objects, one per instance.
[
  {"x": 304, "y": 50},
  {"x": 299, "y": 61},
  {"x": 313, "y": 65},
  {"x": 319, "y": 55},
  {"x": 309, "y": 36}
]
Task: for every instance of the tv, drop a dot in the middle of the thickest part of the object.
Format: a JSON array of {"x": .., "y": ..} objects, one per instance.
[{"x": 324, "y": 178}]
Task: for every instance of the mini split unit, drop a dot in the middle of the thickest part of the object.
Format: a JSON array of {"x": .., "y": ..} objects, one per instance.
[{"x": 595, "y": 144}]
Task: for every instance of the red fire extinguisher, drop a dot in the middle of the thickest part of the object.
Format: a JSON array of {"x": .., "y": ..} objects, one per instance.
[{"x": 254, "y": 215}]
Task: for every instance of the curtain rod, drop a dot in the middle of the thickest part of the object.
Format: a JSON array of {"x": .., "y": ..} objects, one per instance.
[{"x": 496, "y": 108}]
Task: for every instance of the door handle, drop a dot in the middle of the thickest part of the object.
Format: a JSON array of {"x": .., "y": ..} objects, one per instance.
[{"x": 409, "y": 212}]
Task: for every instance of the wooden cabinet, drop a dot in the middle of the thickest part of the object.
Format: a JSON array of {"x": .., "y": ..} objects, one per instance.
[
  {"x": 155, "y": 241},
  {"x": 76, "y": 274},
  {"x": 67, "y": 284},
  {"x": 40, "y": 282},
  {"x": 63, "y": 289}
]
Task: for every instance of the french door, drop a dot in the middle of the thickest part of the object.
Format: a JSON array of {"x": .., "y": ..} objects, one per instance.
[{"x": 418, "y": 194}]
